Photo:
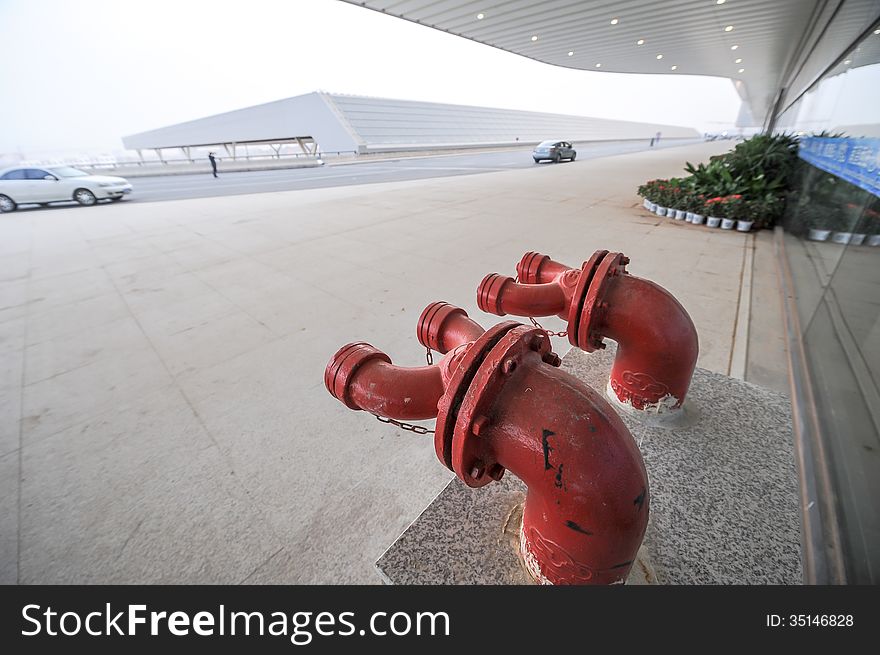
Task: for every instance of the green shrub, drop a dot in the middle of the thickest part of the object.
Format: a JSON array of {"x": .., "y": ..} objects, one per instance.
[{"x": 749, "y": 182}]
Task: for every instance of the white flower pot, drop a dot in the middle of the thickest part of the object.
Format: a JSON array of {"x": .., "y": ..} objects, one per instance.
[
  {"x": 874, "y": 240},
  {"x": 857, "y": 239},
  {"x": 713, "y": 221},
  {"x": 660, "y": 211},
  {"x": 646, "y": 204},
  {"x": 670, "y": 212},
  {"x": 744, "y": 226},
  {"x": 727, "y": 223},
  {"x": 698, "y": 219},
  {"x": 818, "y": 235},
  {"x": 842, "y": 238},
  {"x": 680, "y": 215},
  {"x": 689, "y": 217}
]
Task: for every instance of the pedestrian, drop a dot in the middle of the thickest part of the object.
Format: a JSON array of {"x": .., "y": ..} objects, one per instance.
[{"x": 213, "y": 162}]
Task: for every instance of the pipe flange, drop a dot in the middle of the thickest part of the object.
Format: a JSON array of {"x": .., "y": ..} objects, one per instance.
[
  {"x": 450, "y": 403},
  {"x": 345, "y": 364},
  {"x": 489, "y": 291},
  {"x": 588, "y": 336},
  {"x": 529, "y": 268},
  {"x": 588, "y": 270},
  {"x": 430, "y": 325},
  {"x": 471, "y": 453}
]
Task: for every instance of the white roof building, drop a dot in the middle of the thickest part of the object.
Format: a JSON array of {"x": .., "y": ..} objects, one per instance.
[{"x": 342, "y": 123}]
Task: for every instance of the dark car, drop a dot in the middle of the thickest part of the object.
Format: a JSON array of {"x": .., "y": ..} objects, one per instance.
[{"x": 554, "y": 151}]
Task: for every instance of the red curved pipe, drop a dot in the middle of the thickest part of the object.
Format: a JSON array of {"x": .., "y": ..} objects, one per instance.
[
  {"x": 657, "y": 341},
  {"x": 444, "y": 327},
  {"x": 363, "y": 377},
  {"x": 503, "y": 406},
  {"x": 501, "y": 295},
  {"x": 587, "y": 505}
]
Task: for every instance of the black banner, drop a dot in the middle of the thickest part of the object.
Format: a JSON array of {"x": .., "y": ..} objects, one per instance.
[{"x": 100, "y": 619}]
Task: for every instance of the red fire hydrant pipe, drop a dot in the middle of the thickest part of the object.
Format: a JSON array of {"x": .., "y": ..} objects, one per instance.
[
  {"x": 505, "y": 405},
  {"x": 657, "y": 341}
]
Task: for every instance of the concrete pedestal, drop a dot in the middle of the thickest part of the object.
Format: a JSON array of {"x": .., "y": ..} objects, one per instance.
[{"x": 724, "y": 504}]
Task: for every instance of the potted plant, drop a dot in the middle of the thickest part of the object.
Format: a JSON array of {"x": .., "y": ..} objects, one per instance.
[
  {"x": 872, "y": 227},
  {"x": 729, "y": 204},
  {"x": 678, "y": 194},
  {"x": 842, "y": 222},
  {"x": 696, "y": 208},
  {"x": 646, "y": 191},
  {"x": 714, "y": 206},
  {"x": 854, "y": 217},
  {"x": 660, "y": 198},
  {"x": 816, "y": 223},
  {"x": 740, "y": 210}
]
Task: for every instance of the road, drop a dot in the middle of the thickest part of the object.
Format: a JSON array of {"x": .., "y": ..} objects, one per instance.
[
  {"x": 175, "y": 187},
  {"x": 178, "y": 187}
]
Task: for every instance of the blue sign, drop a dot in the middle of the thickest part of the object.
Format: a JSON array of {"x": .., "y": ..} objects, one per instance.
[{"x": 855, "y": 160}]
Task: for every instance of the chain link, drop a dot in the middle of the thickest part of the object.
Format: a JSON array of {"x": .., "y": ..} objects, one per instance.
[
  {"x": 538, "y": 325},
  {"x": 418, "y": 429},
  {"x": 549, "y": 332},
  {"x": 429, "y": 356}
]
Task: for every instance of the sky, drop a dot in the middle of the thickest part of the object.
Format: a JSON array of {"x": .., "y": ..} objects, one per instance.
[{"x": 77, "y": 75}]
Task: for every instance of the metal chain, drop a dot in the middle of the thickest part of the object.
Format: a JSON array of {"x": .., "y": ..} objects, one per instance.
[
  {"x": 538, "y": 325},
  {"x": 564, "y": 333},
  {"x": 429, "y": 356},
  {"x": 418, "y": 429}
]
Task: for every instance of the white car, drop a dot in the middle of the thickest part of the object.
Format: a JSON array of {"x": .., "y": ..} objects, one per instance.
[{"x": 32, "y": 185}]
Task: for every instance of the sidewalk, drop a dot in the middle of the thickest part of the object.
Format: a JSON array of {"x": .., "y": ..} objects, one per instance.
[{"x": 163, "y": 417}]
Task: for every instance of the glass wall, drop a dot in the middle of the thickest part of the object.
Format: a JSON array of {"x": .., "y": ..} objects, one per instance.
[{"x": 832, "y": 243}]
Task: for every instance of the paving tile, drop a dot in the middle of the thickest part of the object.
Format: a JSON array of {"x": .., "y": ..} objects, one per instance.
[
  {"x": 214, "y": 341},
  {"x": 72, "y": 397},
  {"x": 102, "y": 502},
  {"x": 75, "y": 317},
  {"x": 9, "y": 518}
]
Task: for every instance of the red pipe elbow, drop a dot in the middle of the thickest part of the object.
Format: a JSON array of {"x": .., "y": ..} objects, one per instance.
[
  {"x": 444, "y": 327},
  {"x": 586, "y": 510},
  {"x": 363, "y": 377},
  {"x": 656, "y": 357},
  {"x": 501, "y": 295},
  {"x": 657, "y": 342}
]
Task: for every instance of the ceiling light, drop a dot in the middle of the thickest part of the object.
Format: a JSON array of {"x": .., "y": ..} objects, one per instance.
[
  {"x": 848, "y": 61},
  {"x": 614, "y": 21},
  {"x": 570, "y": 53},
  {"x": 598, "y": 65},
  {"x": 534, "y": 38},
  {"x": 640, "y": 42},
  {"x": 741, "y": 70},
  {"x": 729, "y": 28},
  {"x": 734, "y": 47},
  {"x": 720, "y": 2},
  {"x": 876, "y": 31},
  {"x": 738, "y": 61},
  {"x": 480, "y": 16},
  {"x": 674, "y": 68},
  {"x": 659, "y": 56}
]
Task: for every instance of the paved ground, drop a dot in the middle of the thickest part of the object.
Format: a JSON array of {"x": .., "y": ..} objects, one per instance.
[
  {"x": 162, "y": 411},
  {"x": 177, "y": 187}
]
